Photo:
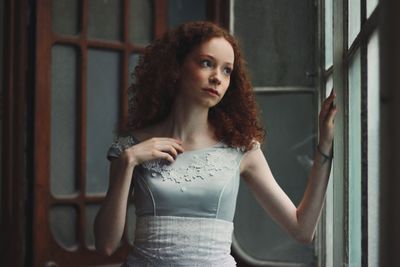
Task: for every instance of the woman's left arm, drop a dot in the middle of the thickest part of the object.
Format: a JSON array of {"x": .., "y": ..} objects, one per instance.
[{"x": 299, "y": 221}]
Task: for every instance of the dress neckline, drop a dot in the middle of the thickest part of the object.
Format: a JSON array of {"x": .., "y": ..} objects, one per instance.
[{"x": 219, "y": 143}]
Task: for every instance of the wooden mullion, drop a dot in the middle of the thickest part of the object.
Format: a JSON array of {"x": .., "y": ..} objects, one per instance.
[
  {"x": 82, "y": 131},
  {"x": 365, "y": 26},
  {"x": 74, "y": 199},
  {"x": 125, "y": 21},
  {"x": 125, "y": 66},
  {"x": 367, "y": 29},
  {"x": 218, "y": 12},
  {"x": 113, "y": 45},
  {"x": 101, "y": 44},
  {"x": 363, "y": 10},
  {"x": 160, "y": 17},
  {"x": 364, "y": 154},
  {"x": 42, "y": 134}
]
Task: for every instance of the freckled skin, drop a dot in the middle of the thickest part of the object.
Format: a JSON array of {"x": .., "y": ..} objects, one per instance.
[{"x": 208, "y": 66}]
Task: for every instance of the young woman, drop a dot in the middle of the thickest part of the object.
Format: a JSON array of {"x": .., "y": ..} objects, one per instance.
[{"x": 193, "y": 134}]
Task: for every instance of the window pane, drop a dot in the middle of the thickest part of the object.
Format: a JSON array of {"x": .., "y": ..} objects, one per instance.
[
  {"x": 63, "y": 120},
  {"x": 373, "y": 148},
  {"x": 102, "y": 115},
  {"x": 91, "y": 211},
  {"x": 141, "y": 22},
  {"x": 105, "y": 19},
  {"x": 289, "y": 120},
  {"x": 278, "y": 40},
  {"x": 63, "y": 225},
  {"x": 133, "y": 61},
  {"x": 354, "y": 19},
  {"x": 65, "y": 16},
  {"x": 180, "y": 11},
  {"x": 328, "y": 33},
  {"x": 329, "y": 86},
  {"x": 371, "y": 5},
  {"x": 355, "y": 162}
]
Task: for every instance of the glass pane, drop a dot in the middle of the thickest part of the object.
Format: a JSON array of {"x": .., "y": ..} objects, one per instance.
[
  {"x": 65, "y": 16},
  {"x": 91, "y": 211},
  {"x": 373, "y": 147},
  {"x": 63, "y": 120},
  {"x": 278, "y": 40},
  {"x": 289, "y": 120},
  {"x": 141, "y": 22},
  {"x": 103, "y": 88},
  {"x": 354, "y": 19},
  {"x": 105, "y": 19},
  {"x": 133, "y": 61},
  {"x": 180, "y": 11},
  {"x": 328, "y": 33},
  {"x": 371, "y": 5},
  {"x": 329, "y": 86},
  {"x": 63, "y": 225},
  {"x": 355, "y": 161},
  {"x": 131, "y": 217}
]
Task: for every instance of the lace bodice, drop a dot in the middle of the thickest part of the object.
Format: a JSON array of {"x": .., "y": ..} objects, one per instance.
[{"x": 200, "y": 183}]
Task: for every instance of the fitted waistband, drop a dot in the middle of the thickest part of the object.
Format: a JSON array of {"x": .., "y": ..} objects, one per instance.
[{"x": 182, "y": 241}]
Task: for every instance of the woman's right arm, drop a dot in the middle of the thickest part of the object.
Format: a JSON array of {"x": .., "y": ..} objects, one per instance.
[{"x": 110, "y": 220}]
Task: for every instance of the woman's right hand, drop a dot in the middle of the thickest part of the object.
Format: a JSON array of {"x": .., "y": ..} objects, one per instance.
[{"x": 153, "y": 148}]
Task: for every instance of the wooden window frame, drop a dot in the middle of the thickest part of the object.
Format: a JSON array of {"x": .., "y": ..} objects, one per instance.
[
  {"x": 46, "y": 250},
  {"x": 15, "y": 176},
  {"x": 339, "y": 70}
]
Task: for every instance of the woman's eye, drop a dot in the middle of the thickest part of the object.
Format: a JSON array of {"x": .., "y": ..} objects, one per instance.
[
  {"x": 227, "y": 71},
  {"x": 206, "y": 63}
]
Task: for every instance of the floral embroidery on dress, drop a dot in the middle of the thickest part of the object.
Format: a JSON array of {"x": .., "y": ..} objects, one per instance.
[{"x": 200, "y": 166}]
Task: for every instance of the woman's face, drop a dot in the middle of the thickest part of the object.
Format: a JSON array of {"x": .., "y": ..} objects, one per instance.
[{"x": 205, "y": 73}]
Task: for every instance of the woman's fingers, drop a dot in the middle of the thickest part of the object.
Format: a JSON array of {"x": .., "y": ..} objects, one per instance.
[
  {"x": 332, "y": 114},
  {"x": 169, "y": 148},
  {"x": 169, "y": 145},
  {"x": 327, "y": 106},
  {"x": 159, "y": 147},
  {"x": 163, "y": 155},
  {"x": 329, "y": 101}
]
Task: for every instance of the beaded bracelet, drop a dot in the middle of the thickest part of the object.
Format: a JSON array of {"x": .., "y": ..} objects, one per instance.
[{"x": 323, "y": 154}]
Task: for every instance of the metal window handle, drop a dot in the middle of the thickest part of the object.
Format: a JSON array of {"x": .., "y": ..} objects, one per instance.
[{"x": 311, "y": 74}]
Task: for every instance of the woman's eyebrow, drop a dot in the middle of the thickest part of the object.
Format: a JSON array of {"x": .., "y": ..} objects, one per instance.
[{"x": 213, "y": 58}]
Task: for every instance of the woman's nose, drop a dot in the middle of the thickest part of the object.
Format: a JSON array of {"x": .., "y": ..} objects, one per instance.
[{"x": 215, "y": 80}]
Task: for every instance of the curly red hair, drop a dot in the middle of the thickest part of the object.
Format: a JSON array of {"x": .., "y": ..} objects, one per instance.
[{"x": 235, "y": 118}]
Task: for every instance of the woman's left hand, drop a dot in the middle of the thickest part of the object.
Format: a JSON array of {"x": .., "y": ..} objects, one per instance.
[{"x": 327, "y": 123}]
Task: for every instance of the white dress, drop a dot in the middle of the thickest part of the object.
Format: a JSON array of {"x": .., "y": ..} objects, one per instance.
[{"x": 184, "y": 210}]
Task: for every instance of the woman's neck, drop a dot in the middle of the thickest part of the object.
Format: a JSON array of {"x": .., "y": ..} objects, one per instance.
[{"x": 188, "y": 123}]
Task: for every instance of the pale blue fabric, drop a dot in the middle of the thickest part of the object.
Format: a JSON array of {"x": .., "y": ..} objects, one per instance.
[
  {"x": 184, "y": 206},
  {"x": 181, "y": 241}
]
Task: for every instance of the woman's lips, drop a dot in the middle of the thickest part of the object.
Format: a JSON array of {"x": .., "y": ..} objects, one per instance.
[{"x": 212, "y": 91}]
